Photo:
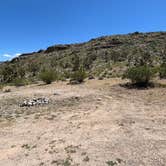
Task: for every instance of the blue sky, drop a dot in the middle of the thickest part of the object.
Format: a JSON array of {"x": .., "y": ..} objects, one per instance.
[{"x": 29, "y": 25}]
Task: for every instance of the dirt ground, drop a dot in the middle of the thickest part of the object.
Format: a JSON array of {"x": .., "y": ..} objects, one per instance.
[{"x": 98, "y": 123}]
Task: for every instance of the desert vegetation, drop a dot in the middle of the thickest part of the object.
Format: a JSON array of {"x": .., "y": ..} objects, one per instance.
[
  {"x": 48, "y": 76},
  {"x": 140, "y": 76},
  {"x": 106, "y": 119},
  {"x": 104, "y": 57},
  {"x": 78, "y": 76}
]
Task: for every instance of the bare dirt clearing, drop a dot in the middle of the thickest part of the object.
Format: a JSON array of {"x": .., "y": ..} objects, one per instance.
[{"x": 98, "y": 123}]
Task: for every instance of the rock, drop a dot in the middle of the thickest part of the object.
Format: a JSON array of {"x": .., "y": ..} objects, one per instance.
[
  {"x": 56, "y": 94},
  {"x": 72, "y": 82},
  {"x": 99, "y": 99},
  {"x": 6, "y": 89},
  {"x": 34, "y": 102},
  {"x": 91, "y": 77},
  {"x": 100, "y": 78}
]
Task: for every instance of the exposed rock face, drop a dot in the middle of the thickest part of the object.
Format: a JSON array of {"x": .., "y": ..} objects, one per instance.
[
  {"x": 57, "y": 48},
  {"x": 34, "y": 102}
]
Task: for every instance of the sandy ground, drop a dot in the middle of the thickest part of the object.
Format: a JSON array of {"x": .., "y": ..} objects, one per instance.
[{"x": 98, "y": 123}]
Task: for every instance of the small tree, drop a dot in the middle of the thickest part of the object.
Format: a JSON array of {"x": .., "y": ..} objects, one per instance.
[
  {"x": 140, "y": 75},
  {"x": 78, "y": 76},
  {"x": 47, "y": 76}
]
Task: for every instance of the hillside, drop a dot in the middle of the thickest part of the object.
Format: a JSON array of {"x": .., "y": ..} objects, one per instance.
[
  {"x": 97, "y": 123},
  {"x": 105, "y": 56}
]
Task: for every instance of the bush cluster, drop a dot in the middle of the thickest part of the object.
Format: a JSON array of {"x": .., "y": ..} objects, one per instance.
[
  {"x": 140, "y": 75},
  {"x": 19, "y": 82},
  {"x": 78, "y": 76},
  {"x": 48, "y": 76},
  {"x": 162, "y": 71}
]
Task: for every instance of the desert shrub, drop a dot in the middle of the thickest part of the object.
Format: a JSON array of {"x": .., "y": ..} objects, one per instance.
[
  {"x": 7, "y": 73},
  {"x": 162, "y": 71},
  {"x": 76, "y": 62},
  {"x": 115, "y": 56},
  {"x": 78, "y": 76},
  {"x": 20, "y": 71},
  {"x": 140, "y": 75},
  {"x": 139, "y": 57},
  {"x": 19, "y": 82},
  {"x": 1, "y": 86},
  {"x": 67, "y": 74},
  {"x": 48, "y": 76},
  {"x": 33, "y": 68}
]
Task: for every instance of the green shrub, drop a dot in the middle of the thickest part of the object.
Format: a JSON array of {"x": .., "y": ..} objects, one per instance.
[
  {"x": 1, "y": 86},
  {"x": 66, "y": 74},
  {"x": 19, "y": 82},
  {"x": 48, "y": 76},
  {"x": 78, "y": 76},
  {"x": 140, "y": 75},
  {"x": 162, "y": 71}
]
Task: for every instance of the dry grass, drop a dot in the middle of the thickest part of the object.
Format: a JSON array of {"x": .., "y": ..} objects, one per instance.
[{"x": 97, "y": 123}]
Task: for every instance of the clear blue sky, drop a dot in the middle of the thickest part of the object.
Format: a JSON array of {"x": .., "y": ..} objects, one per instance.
[{"x": 29, "y": 25}]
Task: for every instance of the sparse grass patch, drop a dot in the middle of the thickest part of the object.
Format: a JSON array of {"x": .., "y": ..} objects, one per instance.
[
  {"x": 65, "y": 162},
  {"x": 28, "y": 147},
  {"x": 71, "y": 149},
  {"x": 1, "y": 86},
  {"x": 111, "y": 163},
  {"x": 162, "y": 71},
  {"x": 86, "y": 159}
]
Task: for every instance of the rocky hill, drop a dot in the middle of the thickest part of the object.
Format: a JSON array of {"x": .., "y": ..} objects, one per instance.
[{"x": 105, "y": 56}]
